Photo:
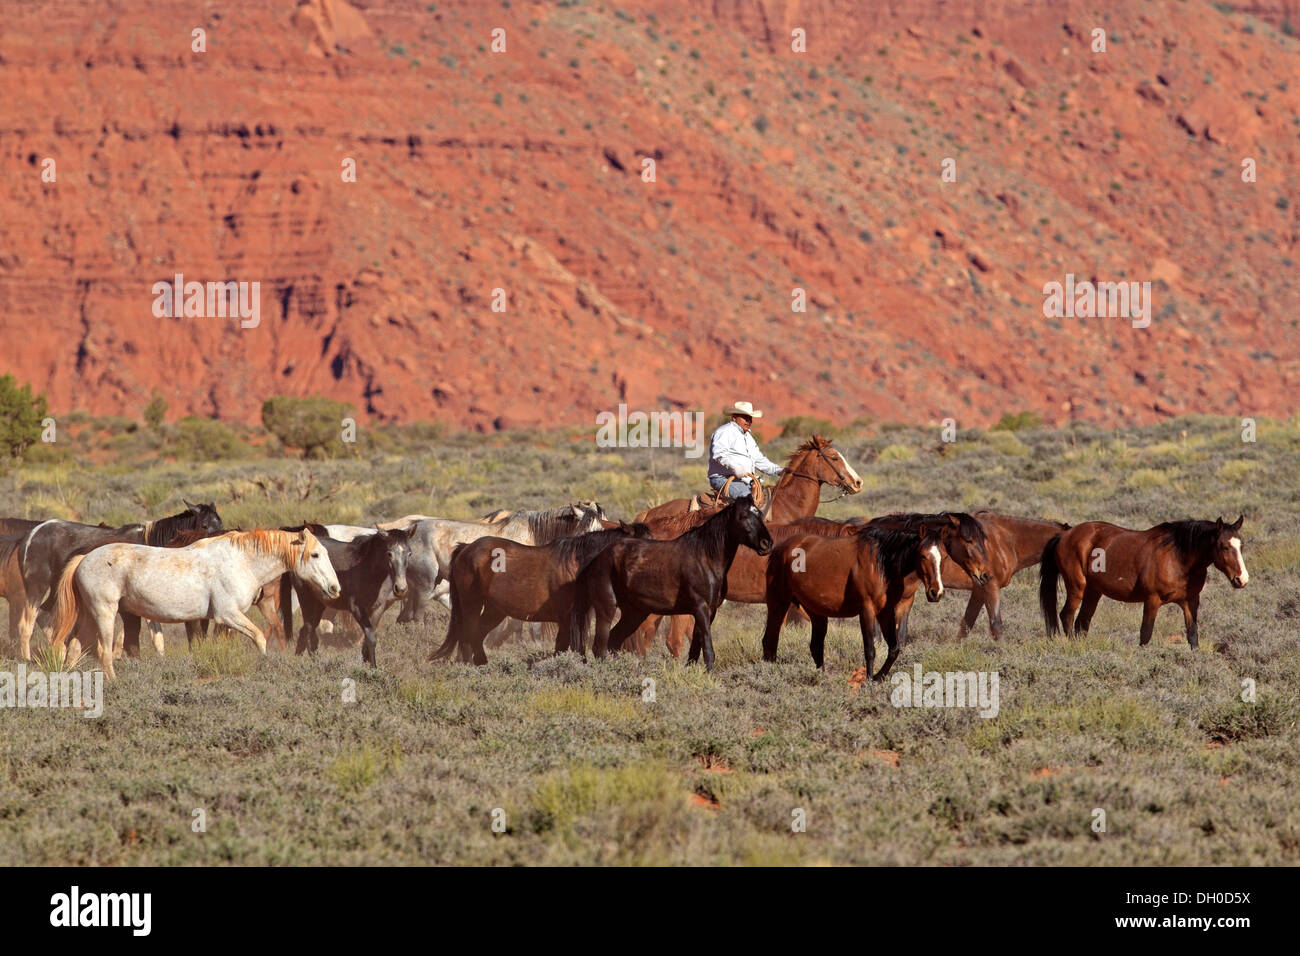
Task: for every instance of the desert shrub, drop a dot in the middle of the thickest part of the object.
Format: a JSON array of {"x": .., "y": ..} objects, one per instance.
[
  {"x": 21, "y": 413},
  {"x": 1014, "y": 423},
  {"x": 313, "y": 424},
  {"x": 207, "y": 439}
]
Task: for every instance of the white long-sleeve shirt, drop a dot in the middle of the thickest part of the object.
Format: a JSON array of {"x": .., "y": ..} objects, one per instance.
[{"x": 733, "y": 451}]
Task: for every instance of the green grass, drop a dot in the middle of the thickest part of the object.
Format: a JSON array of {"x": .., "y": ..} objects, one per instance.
[{"x": 586, "y": 770}]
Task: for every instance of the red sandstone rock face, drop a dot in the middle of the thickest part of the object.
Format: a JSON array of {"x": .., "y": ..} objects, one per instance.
[{"x": 522, "y": 172}]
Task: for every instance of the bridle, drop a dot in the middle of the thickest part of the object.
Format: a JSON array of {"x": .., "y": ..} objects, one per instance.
[{"x": 842, "y": 478}]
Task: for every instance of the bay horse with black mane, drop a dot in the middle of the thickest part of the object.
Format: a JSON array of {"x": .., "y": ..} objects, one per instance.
[
  {"x": 687, "y": 575},
  {"x": 1163, "y": 565},
  {"x": 494, "y": 578},
  {"x": 868, "y": 576},
  {"x": 962, "y": 542},
  {"x": 1011, "y": 544}
]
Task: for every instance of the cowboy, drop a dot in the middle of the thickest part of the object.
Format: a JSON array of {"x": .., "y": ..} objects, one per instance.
[{"x": 734, "y": 454}]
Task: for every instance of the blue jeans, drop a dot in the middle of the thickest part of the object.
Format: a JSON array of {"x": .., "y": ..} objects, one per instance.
[{"x": 739, "y": 488}]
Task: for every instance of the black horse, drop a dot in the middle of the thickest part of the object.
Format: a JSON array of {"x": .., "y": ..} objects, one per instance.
[
  {"x": 685, "y": 575},
  {"x": 371, "y": 572},
  {"x": 51, "y": 544}
]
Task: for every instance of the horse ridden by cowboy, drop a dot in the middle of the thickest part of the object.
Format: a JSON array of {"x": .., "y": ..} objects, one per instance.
[{"x": 734, "y": 456}]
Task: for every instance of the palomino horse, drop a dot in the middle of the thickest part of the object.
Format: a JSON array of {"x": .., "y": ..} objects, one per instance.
[
  {"x": 1011, "y": 544},
  {"x": 798, "y": 491},
  {"x": 866, "y": 576},
  {"x": 217, "y": 577},
  {"x": 494, "y": 578},
  {"x": 687, "y": 575},
  {"x": 1163, "y": 565},
  {"x": 371, "y": 573},
  {"x": 51, "y": 544}
]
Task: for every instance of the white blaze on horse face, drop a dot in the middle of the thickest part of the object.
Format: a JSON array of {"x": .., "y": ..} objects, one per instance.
[
  {"x": 849, "y": 468},
  {"x": 1241, "y": 562},
  {"x": 938, "y": 561},
  {"x": 317, "y": 569}
]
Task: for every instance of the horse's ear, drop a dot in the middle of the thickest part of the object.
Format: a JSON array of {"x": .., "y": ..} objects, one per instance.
[
  {"x": 1219, "y": 524},
  {"x": 954, "y": 520},
  {"x": 1237, "y": 525},
  {"x": 188, "y": 505},
  {"x": 921, "y": 530},
  {"x": 576, "y": 510}
]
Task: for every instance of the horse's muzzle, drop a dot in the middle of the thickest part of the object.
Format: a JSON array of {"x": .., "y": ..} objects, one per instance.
[
  {"x": 1238, "y": 583},
  {"x": 982, "y": 578},
  {"x": 764, "y": 548},
  {"x": 399, "y": 589},
  {"x": 933, "y": 594}
]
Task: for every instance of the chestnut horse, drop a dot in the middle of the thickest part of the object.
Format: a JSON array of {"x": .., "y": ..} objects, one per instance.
[
  {"x": 1163, "y": 565},
  {"x": 867, "y": 575},
  {"x": 687, "y": 575},
  {"x": 494, "y": 578},
  {"x": 798, "y": 491}
]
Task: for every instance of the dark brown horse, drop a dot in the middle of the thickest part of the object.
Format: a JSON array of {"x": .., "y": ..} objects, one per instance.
[
  {"x": 371, "y": 572},
  {"x": 687, "y": 575},
  {"x": 494, "y": 578},
  {"x": 867, "y": 575},
  {"x": 1163, "y": 565},
  {"x": 798, "y": 491}
]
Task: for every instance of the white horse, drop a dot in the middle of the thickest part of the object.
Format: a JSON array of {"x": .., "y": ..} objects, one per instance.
[{"x": 215, "y": 578}]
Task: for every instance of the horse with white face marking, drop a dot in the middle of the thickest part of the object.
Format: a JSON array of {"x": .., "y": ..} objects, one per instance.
[
  {"x": 1163, "y": 565},
  {"x": 216, "y": 578}
]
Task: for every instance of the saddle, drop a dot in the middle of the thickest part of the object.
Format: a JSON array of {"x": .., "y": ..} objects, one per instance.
[{"x": 713, "y": 500}]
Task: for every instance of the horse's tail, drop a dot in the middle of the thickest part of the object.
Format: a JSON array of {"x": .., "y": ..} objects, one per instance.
[
  {"x": 286, "y": 607},
  {"x": 458, "y": 610},
  {"x": 1048, "y": 572},
  {"x": 65, "y": 603}
]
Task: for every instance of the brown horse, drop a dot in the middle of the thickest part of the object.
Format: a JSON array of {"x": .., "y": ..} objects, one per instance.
[
  {"x": 1163, "y": 565},
  {"x": 494, "y": 578},
  {"x": 798, "y": 491},
  {"x": 867, "y": 575},
  {"x": 687, "y": 575},
  {"x": 1011, "y": 544}
]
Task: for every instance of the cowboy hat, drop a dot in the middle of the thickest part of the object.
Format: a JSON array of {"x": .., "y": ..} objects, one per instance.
[{"x": 742, "y": 408}]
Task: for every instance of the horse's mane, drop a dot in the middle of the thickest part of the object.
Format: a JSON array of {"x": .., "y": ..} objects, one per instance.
[
  {"x": 895, "y": 549},
  {"x": 553, "y": 523},
  {"x": 815, "y": 443},
  {"x": 1191, "y": 536},
  {"x": 673, "y": 526},
  {"x": 160, "y": 532},
  {"x": 276, "y": 543},
  {"x": 577, "y": 550},
  {"x": 912, "y": 521}
]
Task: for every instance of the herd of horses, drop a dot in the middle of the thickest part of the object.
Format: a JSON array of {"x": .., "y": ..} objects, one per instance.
[{"x": 576, "y": 569}]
